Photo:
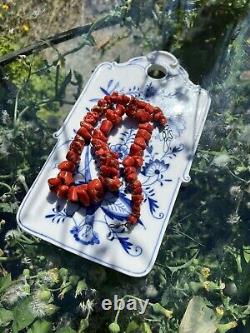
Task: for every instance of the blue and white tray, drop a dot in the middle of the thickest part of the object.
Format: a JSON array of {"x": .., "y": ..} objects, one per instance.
[{"x": 91, "y": 232}]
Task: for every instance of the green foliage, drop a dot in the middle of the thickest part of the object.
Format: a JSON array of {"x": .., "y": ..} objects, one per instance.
[
  {"x": 6, "y": 316},
  {"x": 65, "y": 330},
  {"x": 201, "y": 277},
  {"x": 41, "y": 326},
  {"x": 5, "y": 282},
  {"x": 22, "y": 315}
]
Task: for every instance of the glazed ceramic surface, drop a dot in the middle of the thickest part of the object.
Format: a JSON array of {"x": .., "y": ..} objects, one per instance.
[{"x": 96, "y": 233}]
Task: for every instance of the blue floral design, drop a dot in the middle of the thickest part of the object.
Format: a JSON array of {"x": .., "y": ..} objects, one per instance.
[
  {"x": 126, "y": 140},
  {"x": 57, "y": 215},
  {"x": 155, "y": 168},
  {"x": 146, "y": 93},
  {"x": 85, "y": 234},
  {"x": 121, "y": 149},
  {"x": 176, "y": 125}
]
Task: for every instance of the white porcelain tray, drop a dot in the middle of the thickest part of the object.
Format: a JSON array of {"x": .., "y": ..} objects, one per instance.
[{"x": 90, "y": 232}]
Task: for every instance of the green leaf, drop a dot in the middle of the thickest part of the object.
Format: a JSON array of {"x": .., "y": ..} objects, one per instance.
[
  {"x": 187, "y": 264},
  {"x": 23, "y": 315},
  {"x": 246, "y": 253},
  {"x": 132, "y": 326},
  {"x": 41, "y": 326},
  {"x": 66, "y": 81},
  {"x": 6, "y": 316},
  {"x": 145, "y": 328},
  {"x": 5, "y": 282},
  {"x": 84, "y": 324},
  {"x": 8, "y": 207},
  {"x": 105, "y": 21},
  {"x": 65, "y": 330},
  {"x": 198, "y": 318}
]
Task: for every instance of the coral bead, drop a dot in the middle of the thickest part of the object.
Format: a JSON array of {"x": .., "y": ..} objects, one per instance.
[
  {"x": 140, "y": 142},
  {"x": 77, "y": 146},
  {"x": 135, "y": 150},
  {"x": 84, "y": 133},
  {"x": 109, "y": 171},
  {"x": 83, "y": 195},
  {"x": 106, "y": 127},
  {"x": 54, "y": 183},
  {"x": 66, "y": 177},
  {"x": 98, "y": 144},
  {"x": 120, "y": 110},
  {"x": 62, "y": 191},
  {"x": 112, "y": 116},
  {"x": 102, "y": 102},
  {"x": 72, "y": 157},
  {"x": 147, "y": 126},
  {"x": 142, "y": 116},
  {"x": 131, "y": 177},
  {"x": 111, "y": 162},
  {"x": 132, "y": 219},
  {"x": 97, "y": 134},
  {"x": 88, "y": 126},
  {"x": 66, "y": 166},
  {"x": 72, "y": 194},
  {"x": 144, "y": 134},
  {"x": 128, "y": 161},
  {"x": 112, "y": 185}
]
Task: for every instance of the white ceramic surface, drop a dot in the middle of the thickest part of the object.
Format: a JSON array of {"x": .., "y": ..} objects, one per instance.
[{"x": 92, "y": 233}]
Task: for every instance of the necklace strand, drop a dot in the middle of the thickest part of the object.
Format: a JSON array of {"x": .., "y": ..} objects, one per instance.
[{"x": 113, "y": 107}]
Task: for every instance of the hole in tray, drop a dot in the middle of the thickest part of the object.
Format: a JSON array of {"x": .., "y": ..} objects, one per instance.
[{"x": 156, "y": 71}]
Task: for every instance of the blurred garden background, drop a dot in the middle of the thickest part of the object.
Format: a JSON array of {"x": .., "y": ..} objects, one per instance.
[{"x": 201, "y": 280}]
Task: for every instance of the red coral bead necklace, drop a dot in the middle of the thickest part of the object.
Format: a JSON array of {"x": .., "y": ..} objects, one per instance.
[{"x": 112, "y": 107}]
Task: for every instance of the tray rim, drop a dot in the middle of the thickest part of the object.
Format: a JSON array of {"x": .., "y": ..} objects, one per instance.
[{"x": 185, "y": 177}]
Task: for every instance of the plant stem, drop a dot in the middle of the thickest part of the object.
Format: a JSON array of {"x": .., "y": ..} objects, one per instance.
[
  {"x": 6, "y": 185},
  {"x": 5, "y": 259}
]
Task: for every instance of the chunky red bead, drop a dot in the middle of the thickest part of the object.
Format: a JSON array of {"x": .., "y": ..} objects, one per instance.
[
  {"x": 113, "y": 117},
  {"x": 135, "y": 149},
  {"x": 98, "y": 144},
  {"x": 54, "y": 183},
  {"x": 97, "y": 134},
  {"x": 73, "y": 157},
  {"x": 88, "y": 126},
  {"x": 72, "y": 194},
  {"x": 112, "y": 184},
  {"x": 131, "y": 177},
  {"x": 106, "y": 127},
  {"x": 110, "y": 161},
  {"x": 140, "y": 142},
  {"x": 109, "y": 171},
  {"x": 142, "y": 116},
  {"x": 66, "y": 166},
  {"x": 132, "y": 219},
  {"x": 146, "y": 126},
  {"x": 62, "y": 191},
  {"x": 144, "y": 134},
  {"x": 102, "y": 102},
  {"x": 128, "y": 161},
  {"x": 66, "y": 177},
  {"x": 84, "y": 133},
  {"x": 76, "y": 146},
  {"x": 120, "y": 110},
  {"x": 129, "y": 170}
]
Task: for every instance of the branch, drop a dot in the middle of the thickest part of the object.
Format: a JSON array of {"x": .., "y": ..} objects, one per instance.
[{"x": 58, "y": 38}]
